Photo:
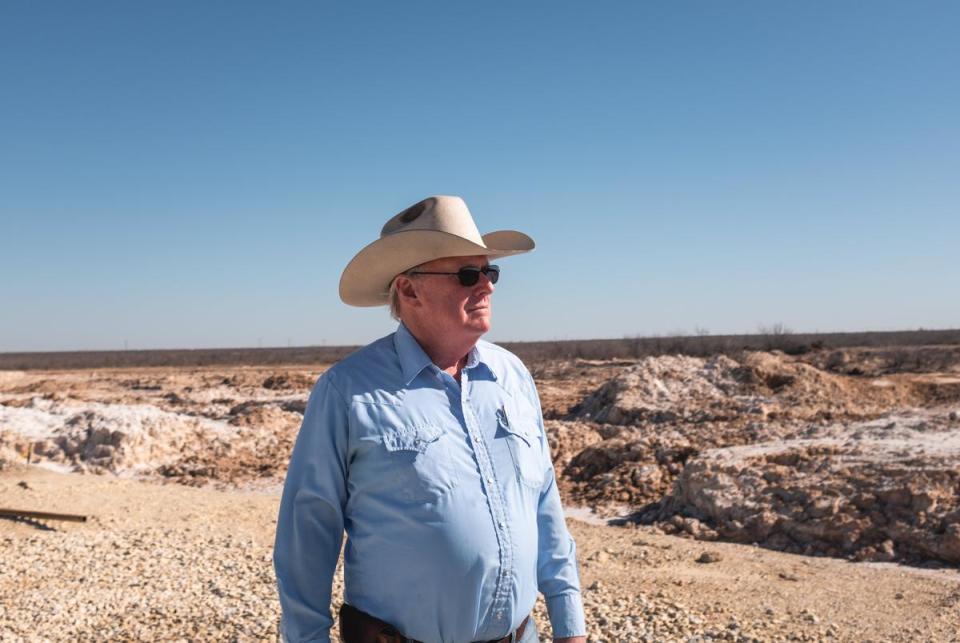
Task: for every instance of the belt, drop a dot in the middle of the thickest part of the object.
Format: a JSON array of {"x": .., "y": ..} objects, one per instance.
[{"x": 360, "y": 627}]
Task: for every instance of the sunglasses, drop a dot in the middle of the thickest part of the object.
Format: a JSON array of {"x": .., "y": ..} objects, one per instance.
[{"x": 468, "y": 276}]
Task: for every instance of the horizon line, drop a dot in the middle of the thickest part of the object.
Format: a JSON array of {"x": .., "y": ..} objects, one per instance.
[{"x": 777, "y": 330}]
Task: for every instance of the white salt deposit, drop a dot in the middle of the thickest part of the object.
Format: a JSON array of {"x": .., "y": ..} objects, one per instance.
[
  {"x": 123, "y": 438},
  {"x": 32, "y": 423}
]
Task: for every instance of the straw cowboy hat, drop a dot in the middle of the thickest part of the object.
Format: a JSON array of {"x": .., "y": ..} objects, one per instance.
[{"x": 438, "y": 226}]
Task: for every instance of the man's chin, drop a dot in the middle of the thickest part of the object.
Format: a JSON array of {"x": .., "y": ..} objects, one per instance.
[{"x": 479, "y": 323}]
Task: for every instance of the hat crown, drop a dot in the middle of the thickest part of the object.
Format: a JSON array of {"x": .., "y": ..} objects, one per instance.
[
  {"x": 438, "y": 226},
  {"x": 438, "y": 213}
]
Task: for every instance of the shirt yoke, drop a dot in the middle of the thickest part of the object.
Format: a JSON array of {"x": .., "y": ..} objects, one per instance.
[
  {"x": 511, "y": 372},
  {"x": 373, "y": 373}
]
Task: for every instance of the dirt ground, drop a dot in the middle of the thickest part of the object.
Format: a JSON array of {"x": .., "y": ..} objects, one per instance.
[
  {"x": 192, "y": 563},
  {"x": 822, "y": 459}
]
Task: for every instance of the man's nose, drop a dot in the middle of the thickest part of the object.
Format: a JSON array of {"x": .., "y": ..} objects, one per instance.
[{"x": 485, "y": 285}]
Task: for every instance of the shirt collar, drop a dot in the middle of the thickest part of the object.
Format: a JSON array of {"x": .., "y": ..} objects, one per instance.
[
  {"x": 477, "y": 356},
  {"x": 413, "y": 359}
]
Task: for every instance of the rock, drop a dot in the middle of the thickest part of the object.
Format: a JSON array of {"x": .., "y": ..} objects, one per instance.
[
  {"x": 692, "y": 527},
  {"x": 709, "y": 557},
  {"x": 869, "y": 498},
  {"x": 810, "y": 617},
  {"x": 599, "y": 556}
]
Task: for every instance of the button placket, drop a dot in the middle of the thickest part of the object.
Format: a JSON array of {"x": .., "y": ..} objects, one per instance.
[{"x": 495, "y": 501}]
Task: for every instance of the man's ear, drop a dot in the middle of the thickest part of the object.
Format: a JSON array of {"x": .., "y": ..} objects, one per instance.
[{"x": 407, "y": 291}]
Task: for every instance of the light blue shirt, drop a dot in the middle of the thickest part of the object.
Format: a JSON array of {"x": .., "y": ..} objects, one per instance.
[{"x": 446, "y": 492}]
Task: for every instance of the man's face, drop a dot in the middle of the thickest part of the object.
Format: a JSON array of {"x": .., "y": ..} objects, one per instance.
[{"x": 448, "y": 307}]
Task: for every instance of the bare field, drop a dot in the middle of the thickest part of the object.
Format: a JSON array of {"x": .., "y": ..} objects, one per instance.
[{"x": 758, "y": 495}]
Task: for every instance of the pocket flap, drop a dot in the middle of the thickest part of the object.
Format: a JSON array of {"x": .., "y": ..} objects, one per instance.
[
  {"x": 412, "y": 439},
  {"x": 515, "y": 426}
]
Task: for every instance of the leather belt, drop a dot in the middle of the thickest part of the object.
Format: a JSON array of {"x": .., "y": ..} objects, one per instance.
[{"x": 360, "y": 627}]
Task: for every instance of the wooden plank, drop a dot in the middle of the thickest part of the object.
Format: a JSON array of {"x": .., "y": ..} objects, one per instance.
[{"x": 41, "y": 515}]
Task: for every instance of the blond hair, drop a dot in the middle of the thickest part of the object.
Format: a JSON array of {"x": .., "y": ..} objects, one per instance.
[
  {"x": 394, "y": 300},
  {"x": 393, "y": 297}
]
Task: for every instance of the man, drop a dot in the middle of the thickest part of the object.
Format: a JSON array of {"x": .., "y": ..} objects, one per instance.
[{"x": 427, "y": 447}]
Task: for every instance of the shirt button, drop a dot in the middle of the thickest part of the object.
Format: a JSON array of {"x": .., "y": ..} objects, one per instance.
[
  {"x": 500, "y": 524},
  {"x": 489, "y": 479}
]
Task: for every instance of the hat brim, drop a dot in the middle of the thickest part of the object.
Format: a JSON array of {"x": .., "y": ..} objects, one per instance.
[{"x": 366, "y": 279}]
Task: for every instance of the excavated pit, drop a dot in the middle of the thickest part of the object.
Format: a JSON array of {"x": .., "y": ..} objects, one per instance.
[
  {"x": 812, "y": 455},
  {"x": 772, "y": 450},
  {"x": 883, "y": 490}
]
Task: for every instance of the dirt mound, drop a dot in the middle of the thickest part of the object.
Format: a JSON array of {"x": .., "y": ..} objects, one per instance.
[
  {"x": 568, "y": 439},
  {"x": 761, "y": 385},
  {"x": 646, "y": 432},
  {"x": 883, "y": 490},
  {"x": 286, "y": 381},
  {"x": 144, "y": 440},
  {"x": 874, "y": 362},
  {"x": 663, "y": 389},
  {"x": 637, "y": 465},
  {"x": 96, "y": 437}
]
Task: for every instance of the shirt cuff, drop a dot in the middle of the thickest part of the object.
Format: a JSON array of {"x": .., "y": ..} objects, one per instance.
[{"x": 566, "y": 615}]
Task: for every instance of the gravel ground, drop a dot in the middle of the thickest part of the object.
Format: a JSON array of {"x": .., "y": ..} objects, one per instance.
[
  {"x": 167, "y": 562},
  {"x": 155, "y": 583},
  {"x": 144, "y": 584}
]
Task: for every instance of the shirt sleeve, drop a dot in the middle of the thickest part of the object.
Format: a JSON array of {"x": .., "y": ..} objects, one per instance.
[
  {"x": 557, "y": 576},
  {"x": 310, "y": 522}
]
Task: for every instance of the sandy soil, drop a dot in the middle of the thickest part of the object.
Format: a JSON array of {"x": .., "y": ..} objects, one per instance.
[{"x": 173, "y": 561}]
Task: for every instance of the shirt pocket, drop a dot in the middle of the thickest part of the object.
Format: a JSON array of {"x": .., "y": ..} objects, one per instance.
[
  {"x": 418, "y": 462},
  {"x": 523, "y": 439}
]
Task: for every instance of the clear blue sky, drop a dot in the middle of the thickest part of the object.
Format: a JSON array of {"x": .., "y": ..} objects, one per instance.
[{"x": 197, "y": 174}]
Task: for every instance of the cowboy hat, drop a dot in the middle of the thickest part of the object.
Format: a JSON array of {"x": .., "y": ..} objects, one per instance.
[{"x": 438, "y": 226}]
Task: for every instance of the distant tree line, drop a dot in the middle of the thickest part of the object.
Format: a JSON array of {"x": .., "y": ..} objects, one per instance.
[
  {"x": 175, "y": 357},
  {"x": 700, "y": 344}
]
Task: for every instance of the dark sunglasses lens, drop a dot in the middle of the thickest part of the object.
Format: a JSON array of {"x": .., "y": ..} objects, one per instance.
[{"x": 468, "y": 276}]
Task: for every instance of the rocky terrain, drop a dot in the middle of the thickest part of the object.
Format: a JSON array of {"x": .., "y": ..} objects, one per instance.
[
  {"x": 772, "y": 450},
  {"x": 196, "y": 426},
  {"x": 881, "y": 490},
  {"x": 175, "y": 562},
  {"x": 849, "y": 455}
]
